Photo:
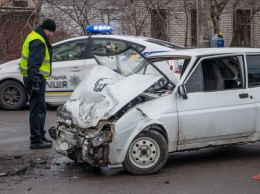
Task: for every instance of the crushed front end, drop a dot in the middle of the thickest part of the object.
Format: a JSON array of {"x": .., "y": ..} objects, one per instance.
[
  {"x": 91, "y": 144},
  {"x": 83, "y": 145},
  {"x": 86, "y": 123}
]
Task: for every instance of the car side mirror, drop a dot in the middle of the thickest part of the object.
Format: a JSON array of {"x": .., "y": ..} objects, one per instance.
[{"x": 182, "y": 91}]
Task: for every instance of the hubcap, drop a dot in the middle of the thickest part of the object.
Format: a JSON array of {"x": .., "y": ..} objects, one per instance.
[
  {"x": 11, "y": 95},
  {"x": 144, "y": 152}
]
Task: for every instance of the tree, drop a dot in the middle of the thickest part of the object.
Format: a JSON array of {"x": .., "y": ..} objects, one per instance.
[
  {"x": 77, "y": 14},
  {"x": 203, "y": 23},
  {"x": 216, "y": 9}
]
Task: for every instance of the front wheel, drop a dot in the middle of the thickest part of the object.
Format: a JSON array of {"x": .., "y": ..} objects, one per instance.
[
  {"x": 13, "y": 95},
  {"x": 147, "y": 154}
]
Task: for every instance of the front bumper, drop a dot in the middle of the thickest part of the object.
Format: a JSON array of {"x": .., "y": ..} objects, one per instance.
[{"x": 88, "y": 145}]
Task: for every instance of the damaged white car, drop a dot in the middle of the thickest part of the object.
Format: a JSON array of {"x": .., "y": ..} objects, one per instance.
[{"x": 126, "y": 111}]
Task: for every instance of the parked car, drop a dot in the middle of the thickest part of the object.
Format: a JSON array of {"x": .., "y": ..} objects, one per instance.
[
  {"x": 72, "y": 60},
  {"x": 129, "y": 112}
]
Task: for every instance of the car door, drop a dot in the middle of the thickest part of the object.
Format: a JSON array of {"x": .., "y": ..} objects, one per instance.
[
  {"x": 219, "y": 108},
  {"x": 253, "y": 77},
  {"x": 67, "y": 70}
]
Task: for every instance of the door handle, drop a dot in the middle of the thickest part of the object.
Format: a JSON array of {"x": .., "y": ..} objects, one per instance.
[
  {"x": 75, "y": 69},
  {"x": 245, "y": 95}
]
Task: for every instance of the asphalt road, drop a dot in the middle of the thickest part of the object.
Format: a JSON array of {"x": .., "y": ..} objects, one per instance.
[{"x": 226, "y": 170}]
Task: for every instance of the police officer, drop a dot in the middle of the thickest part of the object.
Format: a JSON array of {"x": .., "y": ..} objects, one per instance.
[{"x": 35, "y": 66}]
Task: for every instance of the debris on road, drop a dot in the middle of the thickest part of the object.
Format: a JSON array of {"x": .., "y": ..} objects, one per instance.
[{"x": 256, "y": 177}]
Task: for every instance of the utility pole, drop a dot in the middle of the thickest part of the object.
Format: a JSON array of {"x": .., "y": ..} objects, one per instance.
[{"x": 203, "y": 23}]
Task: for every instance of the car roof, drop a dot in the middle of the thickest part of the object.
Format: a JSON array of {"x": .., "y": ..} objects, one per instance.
[
  {"x": 125, "y": 37},
  {"x": 205, "y": 51}
]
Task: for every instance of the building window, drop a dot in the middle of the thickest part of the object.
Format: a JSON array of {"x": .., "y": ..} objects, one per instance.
[
  {"x": 22, "y": 3},
  {"x": 193, "y": 23},
  {"x": 159, "y": 24},
  {"x": 242, "y": 27}
]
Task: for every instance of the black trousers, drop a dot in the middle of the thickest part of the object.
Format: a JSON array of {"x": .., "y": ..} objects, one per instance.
[{"x": 38, "y": 109}]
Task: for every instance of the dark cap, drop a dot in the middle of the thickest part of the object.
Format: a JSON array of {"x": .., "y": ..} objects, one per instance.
[{"x": 48, "y": 24}]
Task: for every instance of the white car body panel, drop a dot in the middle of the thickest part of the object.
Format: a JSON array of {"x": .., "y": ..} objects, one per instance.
[
  {"x": 135, "y": 121},
  {"x": 10, "y": 69},
  {"x": 207, "y": 110}
]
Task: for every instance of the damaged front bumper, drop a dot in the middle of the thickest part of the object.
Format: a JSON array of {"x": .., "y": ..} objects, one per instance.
[{"x": 84, "y": 145}]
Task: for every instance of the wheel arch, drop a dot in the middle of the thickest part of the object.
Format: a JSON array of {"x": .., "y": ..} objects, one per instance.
[
  {"x": 12, "y": 79},
  {"x": 119, "y": 152},
  {"x": 159, "y": 128}
]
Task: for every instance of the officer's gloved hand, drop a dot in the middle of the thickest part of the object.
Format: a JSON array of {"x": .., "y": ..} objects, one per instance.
[{"x": 36, "y": 87}]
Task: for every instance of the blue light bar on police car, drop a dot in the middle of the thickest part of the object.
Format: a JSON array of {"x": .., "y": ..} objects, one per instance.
[{"x": 99, "y": 29}]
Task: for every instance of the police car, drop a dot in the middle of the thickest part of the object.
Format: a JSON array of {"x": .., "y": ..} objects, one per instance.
[{"x": 72, "y": 60}]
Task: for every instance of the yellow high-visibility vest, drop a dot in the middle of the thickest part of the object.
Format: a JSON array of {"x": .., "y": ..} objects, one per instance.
[{"x": 45, "y": 68}]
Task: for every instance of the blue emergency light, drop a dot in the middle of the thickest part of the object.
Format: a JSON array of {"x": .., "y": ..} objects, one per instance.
[{"x": 98, "y": 29}]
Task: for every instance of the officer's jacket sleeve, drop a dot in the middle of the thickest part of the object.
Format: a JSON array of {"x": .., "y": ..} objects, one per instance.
[{"x": 36, "y": 56}]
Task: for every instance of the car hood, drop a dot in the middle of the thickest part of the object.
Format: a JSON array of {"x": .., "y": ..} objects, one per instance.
[{"x": 101, "y": 94}]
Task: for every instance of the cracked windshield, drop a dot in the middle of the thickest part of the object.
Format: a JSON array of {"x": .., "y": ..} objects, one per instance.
[{"x": 127, "y": 63}]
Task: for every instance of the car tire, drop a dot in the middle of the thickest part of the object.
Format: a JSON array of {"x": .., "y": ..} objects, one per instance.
[
  {"x": 13, "y": 95},
  {"x": 147, "y": 154}
]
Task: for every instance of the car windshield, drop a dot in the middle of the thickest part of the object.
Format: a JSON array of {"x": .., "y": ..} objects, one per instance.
[{"x": 129, "y": 62}]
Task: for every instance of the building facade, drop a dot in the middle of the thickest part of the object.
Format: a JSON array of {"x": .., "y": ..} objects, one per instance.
[
  {"x": 171, "y": 20},
  {"x": 15, "y": 25}
]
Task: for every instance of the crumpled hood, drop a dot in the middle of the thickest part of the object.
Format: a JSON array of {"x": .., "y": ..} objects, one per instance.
[{"x": 102, "y": 93}]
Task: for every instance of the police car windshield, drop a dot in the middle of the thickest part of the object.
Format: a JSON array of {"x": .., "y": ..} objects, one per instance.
[{"x": 164, "y": 43}]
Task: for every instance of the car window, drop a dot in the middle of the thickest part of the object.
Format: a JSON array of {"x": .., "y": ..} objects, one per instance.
[
  {"x": 216, "y": 74},
  {"x": 253, "y": 70},
  {"x": 69, "y": 51},
  {"x": 105, "y": 46}
]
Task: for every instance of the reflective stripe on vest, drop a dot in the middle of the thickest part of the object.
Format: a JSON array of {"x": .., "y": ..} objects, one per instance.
[{"x": 45, "y": 68}]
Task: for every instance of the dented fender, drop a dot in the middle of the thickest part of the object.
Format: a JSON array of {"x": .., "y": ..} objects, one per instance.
[{"x": 135, "y": 121}]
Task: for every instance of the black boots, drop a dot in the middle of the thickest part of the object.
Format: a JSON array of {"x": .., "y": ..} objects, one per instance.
[
  {"x": 40, "y": 145},
  {"x": 44, "y": 139}
]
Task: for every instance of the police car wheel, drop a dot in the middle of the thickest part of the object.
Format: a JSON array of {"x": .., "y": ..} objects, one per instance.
[
  {"x": 13, "y": 95},
  {"x": 147, "y": 154}
]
